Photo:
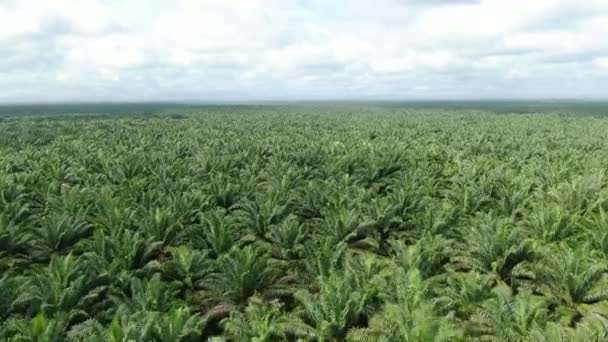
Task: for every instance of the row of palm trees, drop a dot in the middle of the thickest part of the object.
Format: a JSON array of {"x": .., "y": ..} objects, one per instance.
[{"x": 355, "y": 225}]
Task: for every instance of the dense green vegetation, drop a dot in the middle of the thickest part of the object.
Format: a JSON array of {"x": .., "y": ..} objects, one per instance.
[
  {"x": 343, "y": 225},
  {"x": 569, "y": 107}
]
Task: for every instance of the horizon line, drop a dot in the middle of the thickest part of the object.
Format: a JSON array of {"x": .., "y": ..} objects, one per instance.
[{"x": 295, "y": 101}]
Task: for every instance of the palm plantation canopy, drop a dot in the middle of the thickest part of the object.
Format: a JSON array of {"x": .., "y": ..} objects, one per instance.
[{"x": 350, "y": 224}]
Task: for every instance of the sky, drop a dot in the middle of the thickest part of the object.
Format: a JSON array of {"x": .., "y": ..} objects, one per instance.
[{"x": 244, "y": 50}]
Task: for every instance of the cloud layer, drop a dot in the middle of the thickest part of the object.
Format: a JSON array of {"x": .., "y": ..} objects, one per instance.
[{"x": 141, "y": 50}]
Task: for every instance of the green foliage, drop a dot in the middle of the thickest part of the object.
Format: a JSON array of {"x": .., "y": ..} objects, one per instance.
[
  {"x": 240, "y": 274},
  {"x": 290, "y": 223}
]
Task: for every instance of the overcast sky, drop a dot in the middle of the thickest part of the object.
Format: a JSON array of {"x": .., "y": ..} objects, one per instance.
[{"x": 141, "y": 50}]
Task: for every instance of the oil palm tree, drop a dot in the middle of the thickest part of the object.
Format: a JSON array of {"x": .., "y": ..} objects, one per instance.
[
  {"x": 556, "y": 332},
  {"x": 505, "y": 317},
  {"x": 59, "y": 232},
  {"x": 67, "y": 286},
  {"x": 552, "y": 223},
  {"x": 463, "y": 293},
  {"x": 186, "y": 268},
  {"x": 288, "y": 239},
  {"x": 89, "y": 330},
  {"x": 9, "y": 290},
  {"x": 164, "y": 225},
  {"x": 123, "y": 253},
  {"x": 330, "y": 313},
  {"x": 262, "y": 322},
  {"x": 431, "y": 254},
  {"x": 37, "y": 329},
  {"x": 239, "y": 274},
  {"x": 225, "y": 192},
  {"x": 15, "y": 239},
  {"x": 260, "y": 215},
  {"x": 323, "y": 256},
  {"x": 494, "y": 246},
  {"x": 217, "y": 232},
  {"x": 573, "y": 280},
  {"x": 150, "y": 295},
  {"x": 139, "y": 326},
  {"x": 180, "y": 324},
  {"x": 408, "y": 314}
]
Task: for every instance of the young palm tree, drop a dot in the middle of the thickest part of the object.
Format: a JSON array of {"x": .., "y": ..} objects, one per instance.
[
  {"x": 379, "y": 172},
  {"x": 470, "y": 193},
  {"x": 224, "y": 191},
  {"x": 434, "y": 218},
  {"x": 408, "y": 313},
  {"x": 345, "y": 224},
  {"x": 381, "y": 222},
  {"x": 15, "y": 242},
  {"x": 186, "y": 269},
  {"x": 430, "y": 255},
  {"x": 552, "y": 223},
  {"x": 151, "y": 295},
  {"x": 217, "y": 232},
  {"x": 508, "y": 318},
  {"x": 595, "y": 234},
  {"x": 555, "y": 332},
  {"x": 123, "y": 254},
  {"x": 323, "y": 257},
  {"x": 66, "y": 286},
  {"x": 16, "y": 216},
  {"x": 260, "y": 215},
  {"x": 9, "y": 290},
  {"x": 494, "y": 246},
  {"x": 337, "y": 307},
  {"x": 180, "y": 325},
  {"x": 163, "y": 225},
  {"x": 89, "y": 330},
  {"x": 140, "y": 326},
  {"x": 59, "y": 232},
  {"x": 239, "y": 274},
  {"x": 463, "y": 293},
  {"x": 310, "y": 200},
  {"x": 574, "y": 280},
  {"x": 262, "y": 322},
  {"x": 38, "y": 329},
  {"x": 288, "y": 239},
  {"x": 581, "y": 194},
  {"x": 112, "y": 212}
]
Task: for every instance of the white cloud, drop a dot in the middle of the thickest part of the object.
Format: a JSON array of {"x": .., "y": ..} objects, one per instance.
[
  {"x": 273, "y": 49},
  {"x": 114, "y": 51},
  {"x": 602, "y": 62}
]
